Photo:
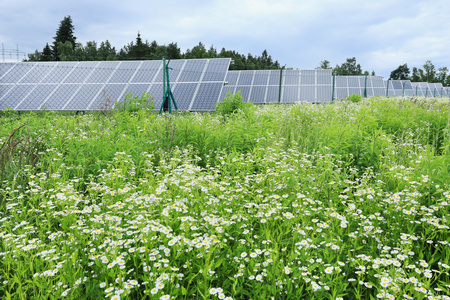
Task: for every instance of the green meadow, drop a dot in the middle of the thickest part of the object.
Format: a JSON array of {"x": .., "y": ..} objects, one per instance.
[{"x": 345, "y": 200}]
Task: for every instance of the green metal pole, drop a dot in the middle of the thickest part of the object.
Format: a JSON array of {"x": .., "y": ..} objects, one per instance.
[
  {"x": 416, "y": 89},
  {"x": 403, "y": 89},
  {"x": 365, "y": 87},
  {"x": 332, "y": 92}
]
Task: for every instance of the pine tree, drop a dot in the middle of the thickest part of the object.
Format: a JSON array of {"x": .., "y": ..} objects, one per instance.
[
  {"x": 64, "y": 34},
  {"x": 46, "y": 54}
]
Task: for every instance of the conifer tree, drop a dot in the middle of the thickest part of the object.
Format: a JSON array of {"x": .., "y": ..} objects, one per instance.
[{"x": 65, "y": 33}]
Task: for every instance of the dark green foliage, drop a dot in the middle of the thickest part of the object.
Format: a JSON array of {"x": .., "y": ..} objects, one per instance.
[
  {"x": 401, "y": 73},
  {"x": 325, "y": 64},
  {"x": 65, "y": 33},
  {"x": 47, "y": 54},
  {"x": 348, "y": 68},
  {"x": 65, "y": 48}
]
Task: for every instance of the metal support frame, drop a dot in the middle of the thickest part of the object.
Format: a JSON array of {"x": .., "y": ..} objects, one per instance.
[
  {"x": 387, "y": 88},
  {"x": 167, "y": 92},
  {"x": 334, "y": 84},
  {"x": 365, "y": 87}
]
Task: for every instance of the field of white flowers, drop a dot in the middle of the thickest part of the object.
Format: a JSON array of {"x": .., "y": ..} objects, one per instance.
[{"x": 335, "y": 201}]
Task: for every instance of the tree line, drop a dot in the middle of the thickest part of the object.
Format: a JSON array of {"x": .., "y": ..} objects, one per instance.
[
  {"x": 429, "y": 73},
  {"x": 66, "y": 48}
]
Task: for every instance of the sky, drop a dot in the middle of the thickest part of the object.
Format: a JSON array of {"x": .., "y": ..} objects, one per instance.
[{"x": 381, "y": 34}]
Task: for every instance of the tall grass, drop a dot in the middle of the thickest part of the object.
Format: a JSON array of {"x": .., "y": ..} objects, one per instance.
[{"x": 342, "y": 200}]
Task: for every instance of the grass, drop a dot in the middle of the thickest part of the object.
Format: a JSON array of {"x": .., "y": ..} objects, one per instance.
[{"x": 334, "y": 201}]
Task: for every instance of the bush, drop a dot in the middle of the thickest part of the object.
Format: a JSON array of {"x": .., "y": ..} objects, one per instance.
[
  {"x": 230, "y": 104},
  {"x": 355, "y": 98},
  {"x": 136, "y": 103}
]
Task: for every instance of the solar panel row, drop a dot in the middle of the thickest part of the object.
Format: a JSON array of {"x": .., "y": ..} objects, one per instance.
[
  {"x": 98, "y": 85},
  {"x": 197, "y": 84},
  {"x": 288, "y": 86}
]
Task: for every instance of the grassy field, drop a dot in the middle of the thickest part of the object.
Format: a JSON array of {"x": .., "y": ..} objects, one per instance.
[{"x": 334, "y": 201}]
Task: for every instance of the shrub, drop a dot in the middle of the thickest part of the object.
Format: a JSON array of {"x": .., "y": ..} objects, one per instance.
[
  {"x": 136, "y": 103},
  {"x": 230, "y": 104},
  {"x": 355, "y": 98}
]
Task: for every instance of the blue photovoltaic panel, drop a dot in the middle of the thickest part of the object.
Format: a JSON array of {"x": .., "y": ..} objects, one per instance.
[
  {"x": 36, "y": 97},
  {"x": 291, "y": 77},
  {"x": 258, "y": 94},
  {"x": 184, "y": 94},
  {"x": 261, "y": 78},
  {"x": 207, "y": 96},
  {"x": 83, "y": 97},
  {"x": 215, "y": 71},
  {"x": 245, "y": 92},
  {"x": 124, "y": 72},
  {"x": 307, "y": 94},
  {"x": 157, "y": 90},
  {"x": 16, "y": 73},
  {"x": 272, "y": 94},
  {"x": 290, "y": 94},
  {"x": 324, "y": 94},
  {"x": 147, "y": 71},
  {"x": 341, "y": 82},
  {"x": 89, "y": 85},
  {"x": 192, "y": 71},
  {"x": 340, "y": 93},
  {"x": 274, "y": 77},
  {"x": 4, "y": 91},
  {"x": 15, "y": 95},
  {"x": 58, "y": 72},
  {"x": 308, "y": 77},
  {"x": 232, "y": 78},
  {"x": 37, "y": 73},
  {"x": 60, "y": 96},
  {"x": 80, "y": 73},
  {"x": 246, "y": 78},
  {"x": 103, "y": 72}
]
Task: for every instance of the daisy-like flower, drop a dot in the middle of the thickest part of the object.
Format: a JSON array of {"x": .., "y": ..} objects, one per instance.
[
  {"x": 213, "y": 291},
  {"x": 115, "y": 297},
  {"x": 103, "y": 284},
  {"x": 165, "y": 297}
]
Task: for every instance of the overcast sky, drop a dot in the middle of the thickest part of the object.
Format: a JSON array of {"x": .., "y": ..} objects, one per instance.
[{"x": 381, "y": 34}]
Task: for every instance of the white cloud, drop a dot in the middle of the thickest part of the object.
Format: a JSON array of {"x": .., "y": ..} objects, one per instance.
[{"x": 300, "y": 33}]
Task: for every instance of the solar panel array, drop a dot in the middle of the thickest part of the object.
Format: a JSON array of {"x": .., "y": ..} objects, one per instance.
[
  {"x": 346, "y": 86},
  {"x": 80, "y": 86},
  {"x": 197, "y": 84},
  {"x": 257, "y": 86},
  {"x": 263, "y": 86}
]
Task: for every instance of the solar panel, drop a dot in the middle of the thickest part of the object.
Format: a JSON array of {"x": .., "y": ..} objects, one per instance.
[{"x": 90, "y": 85}]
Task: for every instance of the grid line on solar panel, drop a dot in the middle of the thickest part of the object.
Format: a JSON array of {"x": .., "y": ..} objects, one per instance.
[
  {"x": 207, "y": 93},
  {"x": 198, "y": 86}
]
